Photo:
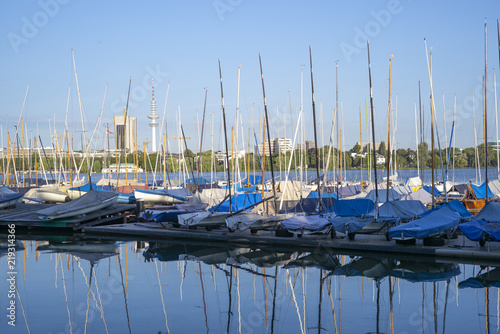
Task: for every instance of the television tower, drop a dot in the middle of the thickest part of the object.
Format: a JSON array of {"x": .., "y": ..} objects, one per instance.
[{"x": 153, "y": 117}]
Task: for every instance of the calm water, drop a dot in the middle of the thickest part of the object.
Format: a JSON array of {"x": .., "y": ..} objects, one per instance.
[
  {"x": 457, "y": 176},
  {"x": 69, "y": 286}
]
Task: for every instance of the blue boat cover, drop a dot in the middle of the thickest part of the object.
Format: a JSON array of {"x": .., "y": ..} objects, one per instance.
[
  {"x": 238, "y": 202},
  {"x": 397, "y": 211},
  {"x": 437, "y": 193},
  {"x": 382, "y": 195},
  {"x": 454, "y": 205},
  {"x": 440, "y": 220},
  {"x": 312, "y": 222},
  {"x": 489, "y": 212},
  {"x": 310, "y": 205},
  {"x": 353, "y": 207},
  {"x": 201, "y": 181},
  {"x": 86, "y": 187},
  {"x": 350, "y": 224},
  {"x": 480, "y": 191},
  {"x": 474, "y": 229},
  {"x": 314, "y": 194}
]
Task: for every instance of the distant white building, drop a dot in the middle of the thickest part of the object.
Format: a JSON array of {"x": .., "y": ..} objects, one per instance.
[
  {"x": 380, "y": 159},
  {"x": 281, "y": 145}
]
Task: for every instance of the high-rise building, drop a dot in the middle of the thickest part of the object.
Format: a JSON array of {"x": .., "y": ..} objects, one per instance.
[{"x": 125, "y": 133}]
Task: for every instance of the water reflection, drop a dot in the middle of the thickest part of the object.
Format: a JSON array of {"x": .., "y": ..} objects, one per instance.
[{"x": 69, "y": 285}]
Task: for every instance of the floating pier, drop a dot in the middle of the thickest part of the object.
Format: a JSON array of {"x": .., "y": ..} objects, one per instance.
[
  {"x": 24, "y": 216},
  {"x": 460, "y": 248}
]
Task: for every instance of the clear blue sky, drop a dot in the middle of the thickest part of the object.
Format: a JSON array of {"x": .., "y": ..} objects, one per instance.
[{"x": 180, "y": 41}]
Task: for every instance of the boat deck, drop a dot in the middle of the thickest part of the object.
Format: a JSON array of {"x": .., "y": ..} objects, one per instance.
[
  {"x": 24, "y": 216},
  {"x": 460, "y": 248}
]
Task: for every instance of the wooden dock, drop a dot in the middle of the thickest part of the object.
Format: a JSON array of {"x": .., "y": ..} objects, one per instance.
[{"x": 24, "y": 216}]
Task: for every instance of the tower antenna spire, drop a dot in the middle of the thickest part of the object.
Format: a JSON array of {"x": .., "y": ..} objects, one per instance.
[{"x": 153, "y": 117}]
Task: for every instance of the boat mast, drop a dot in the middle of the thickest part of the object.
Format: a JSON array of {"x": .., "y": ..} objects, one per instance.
[
  {"x": 268, "y": 134},
  {"x": 225, "y": 139},
  {"x": 373, "y": 122},
  {"x": 201, "y": 140},
  {"x": 83, "y": 123},
  {"x": 485, "y": 113},
  {"x": 432, "y": 136},
  {"x": 361, "y": 148},
  {"x": 416, "y": 141},
  {"x": 423, "y": 155},
  {"x": 388, "y": 162},
  {"x": 315, "y": 132}
]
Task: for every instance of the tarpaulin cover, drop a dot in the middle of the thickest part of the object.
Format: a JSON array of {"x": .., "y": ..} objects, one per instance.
[
  {"x": 397, "y": 211},
  {"x": 438, "y": 221},
  {"x": 454, "y": 205},
  {"x": 310, "y": 205},
  {"x": 84, "y": 204},
  {"x": 403, "y": 190},
  {"x": 475, "y": 229},
  {"x": 350, "y": 224},
  {"x": 314, "y": 194},
  {"x": 421, "y": 195},
  {"x": 346, "y": 191},
  {"x": 480, "y": 191},
  {"x": 382, "y": 195},
  {"x": 353, "y": 207},
  {"x": 238, "y": 202},
  {"x": 201, "y": 180},
  {"x": 179, "y": 192},
  {"x": 209, "y": 196},
  {"x": 489, "y": 212},
  {"x": 460, "y": 188},
  {"x": 312, "y": 222},
  {"x": 7, "y": 194},
  {"x": 494, "y": 187},
  {"x": 437, "y": 193}
]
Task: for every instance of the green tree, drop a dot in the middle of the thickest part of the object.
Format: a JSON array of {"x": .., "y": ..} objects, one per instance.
[{"x": 382, "y": 149}]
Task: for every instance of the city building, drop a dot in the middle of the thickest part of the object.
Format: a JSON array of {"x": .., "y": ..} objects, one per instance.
[
  {"x": 281, "y": 145},
  {"x": 129, "y": 135}
]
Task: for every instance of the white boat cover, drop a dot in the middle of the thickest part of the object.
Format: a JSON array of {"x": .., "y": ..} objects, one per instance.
[
  {"x": 414, "y": 182},
  {"x": 91, "y": 201},
  {"x": 245, "y": 220},
  {"x": 312, "y": 223},
  {"x": 420, "y": 195},
  {"x": 209, "y": 196},
  {"x": 494, "y": 187},
  {"x": 382, "y": 195}
]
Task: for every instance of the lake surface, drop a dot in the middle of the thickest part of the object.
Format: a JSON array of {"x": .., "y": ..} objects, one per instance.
[
  {"x": 457, "y": 175},
  {"x": 68, "y": 286}
]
